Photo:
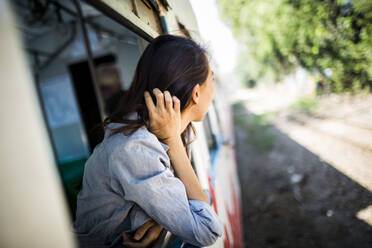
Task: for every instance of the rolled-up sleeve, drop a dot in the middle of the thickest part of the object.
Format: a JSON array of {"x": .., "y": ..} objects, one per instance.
[{"x": 140, "y": 173}]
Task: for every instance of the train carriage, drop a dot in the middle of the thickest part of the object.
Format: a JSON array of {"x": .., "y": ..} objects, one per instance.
[{"x": 65, "y": 65}]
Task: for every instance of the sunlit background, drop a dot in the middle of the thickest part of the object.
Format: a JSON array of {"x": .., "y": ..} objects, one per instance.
[{"x": 301, "y": 74}]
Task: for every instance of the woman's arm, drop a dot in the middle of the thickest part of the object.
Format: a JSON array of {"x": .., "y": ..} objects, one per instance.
[
  {"x": 140, "y": 172},
  {"x": 184, "y": 170},
  {"x": 165, "y": 123}
]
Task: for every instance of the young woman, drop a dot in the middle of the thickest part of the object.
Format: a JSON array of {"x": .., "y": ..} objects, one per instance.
[{"x": 141, "y": 170}]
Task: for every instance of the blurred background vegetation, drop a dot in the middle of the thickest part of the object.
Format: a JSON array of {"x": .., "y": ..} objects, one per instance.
[{"x": 330, "y": 38}]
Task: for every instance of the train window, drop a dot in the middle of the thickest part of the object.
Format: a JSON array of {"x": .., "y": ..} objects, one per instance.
[
  {"x": 73, "y": 98},
  {"x": 211, "y": 138},
  {"x": 108, "y": 81},
  {"x": 213, "y": 133}
]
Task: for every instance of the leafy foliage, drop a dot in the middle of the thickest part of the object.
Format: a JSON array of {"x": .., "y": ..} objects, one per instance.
[{"x": 331, "y": 38}]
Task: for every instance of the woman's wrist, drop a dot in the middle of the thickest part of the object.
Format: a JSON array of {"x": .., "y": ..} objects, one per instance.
[{"x": 174, "y": 141}]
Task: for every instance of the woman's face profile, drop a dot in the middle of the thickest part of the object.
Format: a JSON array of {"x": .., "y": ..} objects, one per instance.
[{"x": 206, "y": 96}]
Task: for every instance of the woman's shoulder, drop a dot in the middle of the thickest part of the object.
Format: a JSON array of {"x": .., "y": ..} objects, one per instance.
[
  {"x": 127, "y": 143},
  {"x": 139, "y": 154}
]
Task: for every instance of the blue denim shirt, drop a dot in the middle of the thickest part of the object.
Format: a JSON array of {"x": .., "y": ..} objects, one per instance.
[{"x": 128, "y": 180}]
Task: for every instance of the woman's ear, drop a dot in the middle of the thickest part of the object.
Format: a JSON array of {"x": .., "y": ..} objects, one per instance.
[{"x": 196, "y": 94}]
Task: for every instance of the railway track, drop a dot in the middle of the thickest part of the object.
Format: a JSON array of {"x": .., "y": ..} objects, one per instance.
[
  {"x": 342, "y": 130},
  {"x": 346, "y": 147}
]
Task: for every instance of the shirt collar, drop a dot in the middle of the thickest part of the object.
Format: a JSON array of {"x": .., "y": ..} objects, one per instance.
[
  {"x": 165, "y": 147},
  {"x": 134, "y": 116}
]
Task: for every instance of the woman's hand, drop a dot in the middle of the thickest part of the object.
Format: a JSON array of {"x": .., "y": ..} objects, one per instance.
[
  {"x": 144, "y": 235},
  {"x": 165, "y": 117}
]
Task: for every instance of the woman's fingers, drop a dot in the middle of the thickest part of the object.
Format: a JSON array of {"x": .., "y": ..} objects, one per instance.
[
  {"x": 159, "y": 98},
  {"x": 149, "y": 103},
  {"x": 140, "y": 232},
  {"x": 176, "y": 103},
  {"x": 152, "y": 234},
  {"x": 168, "y": 100}
]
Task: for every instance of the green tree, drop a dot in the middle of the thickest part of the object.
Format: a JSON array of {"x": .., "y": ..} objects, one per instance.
[{"x": 319, "y": 35}]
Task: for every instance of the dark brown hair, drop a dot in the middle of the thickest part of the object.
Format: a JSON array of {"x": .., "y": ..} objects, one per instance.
[{"x": 169, "y": 62}]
